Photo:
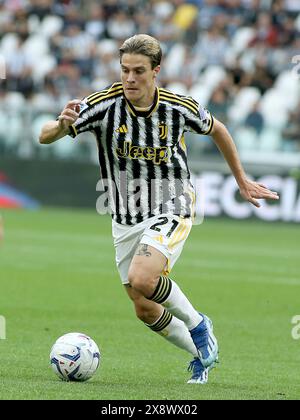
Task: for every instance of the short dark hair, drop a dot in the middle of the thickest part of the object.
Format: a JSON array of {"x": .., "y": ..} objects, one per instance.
[{"x": 145, "y": 45}]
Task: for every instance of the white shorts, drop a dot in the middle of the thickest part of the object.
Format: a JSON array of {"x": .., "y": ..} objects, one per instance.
[{"x": 166, "y": 233}]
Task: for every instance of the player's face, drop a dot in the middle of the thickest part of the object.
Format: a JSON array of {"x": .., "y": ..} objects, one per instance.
[{"x": 138, "y": 79}]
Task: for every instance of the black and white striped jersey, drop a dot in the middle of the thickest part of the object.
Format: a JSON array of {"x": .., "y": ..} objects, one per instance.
[{"x": 142, "y": 155}]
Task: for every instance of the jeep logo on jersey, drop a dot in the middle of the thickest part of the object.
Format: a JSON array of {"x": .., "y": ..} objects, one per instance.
[
  {"x": 163, "y": 131},
  {"x": 156, "y": 154}
]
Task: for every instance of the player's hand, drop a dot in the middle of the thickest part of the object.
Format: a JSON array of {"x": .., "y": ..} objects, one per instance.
[
  {"x": 250, "y": 191},
  {"x": 69, "y": 114}
]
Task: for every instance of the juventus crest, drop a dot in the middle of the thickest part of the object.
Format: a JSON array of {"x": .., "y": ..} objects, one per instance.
[{"x": 163, "y": 131}]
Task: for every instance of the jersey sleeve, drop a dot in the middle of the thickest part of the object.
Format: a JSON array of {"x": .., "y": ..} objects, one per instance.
[
  {"x": 93, "y": 109},
  {"x": 200, "y": 122},
  {"x": 90, "y": 116}
]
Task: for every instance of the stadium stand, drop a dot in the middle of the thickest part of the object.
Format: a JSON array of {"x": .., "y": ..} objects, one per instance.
[{"x": 237, "y": 57}]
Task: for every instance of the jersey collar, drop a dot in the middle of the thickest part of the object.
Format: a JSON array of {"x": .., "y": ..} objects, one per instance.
[{"x": 145, "y": 114}]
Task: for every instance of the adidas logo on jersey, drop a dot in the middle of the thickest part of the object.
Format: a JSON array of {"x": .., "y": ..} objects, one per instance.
[{"x": 123, "y": 129}]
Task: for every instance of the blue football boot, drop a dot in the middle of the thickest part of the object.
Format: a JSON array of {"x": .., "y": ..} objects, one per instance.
[{"x": 205, "y": 342}]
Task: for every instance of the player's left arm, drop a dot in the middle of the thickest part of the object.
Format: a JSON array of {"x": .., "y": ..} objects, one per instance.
[{"x": 249, "y": 190}]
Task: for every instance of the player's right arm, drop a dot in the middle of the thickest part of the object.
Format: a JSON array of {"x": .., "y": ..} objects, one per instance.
[{"x": 55, "y": 130}]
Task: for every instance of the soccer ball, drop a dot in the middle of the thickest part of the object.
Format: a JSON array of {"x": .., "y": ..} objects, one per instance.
[{"x": 75, "y": 357}]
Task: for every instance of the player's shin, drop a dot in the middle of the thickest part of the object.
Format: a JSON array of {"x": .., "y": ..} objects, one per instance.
[
  {"x": 175, "y": 331},
  {"x": 170, "y": 296}
]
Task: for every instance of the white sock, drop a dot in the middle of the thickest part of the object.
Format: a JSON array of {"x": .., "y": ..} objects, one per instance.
[
  {"x": 170, "y": 296},
  {"x": 175, "y": 331}
]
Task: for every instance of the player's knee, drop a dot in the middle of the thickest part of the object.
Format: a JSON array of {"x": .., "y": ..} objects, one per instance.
[{"x": 142, "y": 281}]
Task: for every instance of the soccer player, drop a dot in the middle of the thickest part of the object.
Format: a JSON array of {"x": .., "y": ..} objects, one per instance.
[{"x": 139, "y": 129}]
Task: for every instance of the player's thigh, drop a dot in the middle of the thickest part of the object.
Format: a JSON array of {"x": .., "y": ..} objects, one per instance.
[
  {"x": 159, "y": 248},
  {"x": 161, "y": 244}
]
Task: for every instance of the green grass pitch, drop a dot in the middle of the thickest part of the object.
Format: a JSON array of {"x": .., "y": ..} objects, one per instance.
[{"x": 58, "y": 275}]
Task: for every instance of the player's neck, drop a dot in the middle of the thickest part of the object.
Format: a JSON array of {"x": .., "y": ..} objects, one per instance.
[
  {"x": 143, "y": 108},
  {"x": 146, "y": 102}
]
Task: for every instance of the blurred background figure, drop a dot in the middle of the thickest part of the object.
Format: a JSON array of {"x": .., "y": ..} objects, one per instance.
[{"x": 291, "y": 131}]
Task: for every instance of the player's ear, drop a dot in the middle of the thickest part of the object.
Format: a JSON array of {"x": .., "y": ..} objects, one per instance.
[{"x": 156, "y": 70}]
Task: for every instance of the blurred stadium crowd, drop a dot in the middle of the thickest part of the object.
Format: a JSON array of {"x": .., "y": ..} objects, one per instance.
[{"x": 236, "y": 57}]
